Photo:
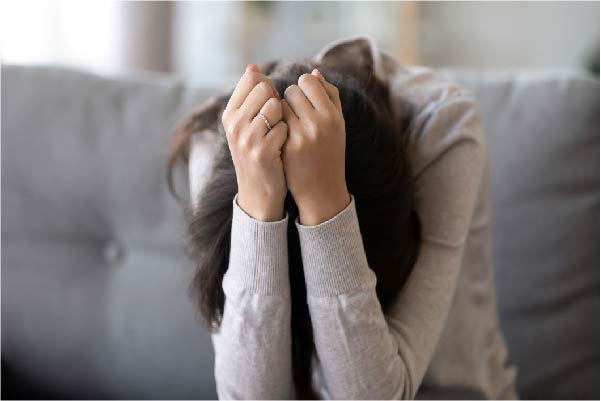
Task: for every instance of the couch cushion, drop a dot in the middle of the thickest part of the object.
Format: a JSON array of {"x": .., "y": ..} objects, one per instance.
[
  {"x": 94, "y": 277},
  {"x": 543, "y": 131}
]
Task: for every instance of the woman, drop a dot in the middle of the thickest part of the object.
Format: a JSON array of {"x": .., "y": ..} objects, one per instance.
[{"x": 312, "y": 268}]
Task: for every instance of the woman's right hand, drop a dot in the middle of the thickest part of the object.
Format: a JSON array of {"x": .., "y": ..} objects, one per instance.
[{"x": 257, "y": 151}]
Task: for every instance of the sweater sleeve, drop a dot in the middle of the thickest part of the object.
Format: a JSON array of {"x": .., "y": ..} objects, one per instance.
[
  {"x": 363, "y": 353},
  {"x": 253, "y": 343}
]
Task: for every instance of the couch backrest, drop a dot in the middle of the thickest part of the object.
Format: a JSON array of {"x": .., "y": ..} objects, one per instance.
[
  {"x": 94, "y": 278},
  {"x": 543, "y": 136}
]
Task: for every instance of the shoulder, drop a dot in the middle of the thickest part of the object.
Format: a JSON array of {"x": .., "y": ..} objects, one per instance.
[
  {"x": 444, "y": 117},
  {"x": 446, "y": 148}
]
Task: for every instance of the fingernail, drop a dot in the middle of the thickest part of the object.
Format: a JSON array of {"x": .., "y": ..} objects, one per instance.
[{"x": 253, "y": 68}]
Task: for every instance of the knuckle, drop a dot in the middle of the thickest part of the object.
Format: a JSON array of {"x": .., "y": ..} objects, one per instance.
[
  {"x": 251, "y": 77},
  {"x": 312, "y": 127},
  {"x": 235, "y": 125},
  {"x": 226, "y": 128},
  {"x": 257, "y": 154},
  {"x": 290, "y": 90},
  {"x": 300, "y": 145},
  {"x": 281, "y": 129},
  {"x": 305, "y": 78},
  {"x": 227, "y": 125},
  {"x": 273, "y": 104},
  {"x": 225, "y": 115},
  {"x": 244, "y": 143},
  {"x": 325, "y": 117},
  {"x": 226, "y": 118},
  {"x": 290, "y": 147},
  {"x": 264, "y": 86}
]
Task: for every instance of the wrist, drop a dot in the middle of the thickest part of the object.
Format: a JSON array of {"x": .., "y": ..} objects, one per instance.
[
  {"x": 314, "y": 210},
  {"x": 262, "y": 209}
]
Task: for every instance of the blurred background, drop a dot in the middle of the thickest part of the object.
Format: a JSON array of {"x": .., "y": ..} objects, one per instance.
[
  {"x": 95, "y": 277},
  {"x": 206, "y": 42}
]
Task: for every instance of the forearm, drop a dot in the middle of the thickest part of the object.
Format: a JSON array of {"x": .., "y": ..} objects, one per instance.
[
  {"x": 359, "y": 356},
  {"x": 253, "y": 343}
]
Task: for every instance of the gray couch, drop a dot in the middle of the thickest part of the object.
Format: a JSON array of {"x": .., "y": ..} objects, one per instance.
[{"x": 94, "y": 277}]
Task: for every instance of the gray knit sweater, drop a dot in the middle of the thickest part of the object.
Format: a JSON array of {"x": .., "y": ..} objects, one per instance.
[{"x": 440, "y": 338}]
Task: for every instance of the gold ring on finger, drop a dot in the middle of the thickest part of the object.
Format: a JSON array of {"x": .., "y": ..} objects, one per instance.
[{"x": 266, "y": 121}]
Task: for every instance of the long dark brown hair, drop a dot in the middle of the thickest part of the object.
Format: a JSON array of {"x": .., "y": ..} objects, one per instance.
[{"x": 378, "y": 175}]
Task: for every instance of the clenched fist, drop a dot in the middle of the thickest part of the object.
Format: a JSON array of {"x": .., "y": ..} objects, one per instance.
[
  {"x": 314, "y": 152},
  {"x": 256, "y": 146}
]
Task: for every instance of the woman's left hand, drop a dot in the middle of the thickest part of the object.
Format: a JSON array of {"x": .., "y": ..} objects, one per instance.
[{"x": 314, "y": 153}]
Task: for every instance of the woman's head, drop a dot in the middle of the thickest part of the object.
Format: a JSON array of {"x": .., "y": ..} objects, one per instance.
[{"x": 378, "y": 175}]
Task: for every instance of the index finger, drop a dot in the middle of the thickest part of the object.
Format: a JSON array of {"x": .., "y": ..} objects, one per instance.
[
  {"x": 330, "y": 89},
  {"x": 252, "y": 76}
]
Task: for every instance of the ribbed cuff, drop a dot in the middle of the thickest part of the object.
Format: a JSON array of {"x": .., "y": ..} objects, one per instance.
[
  {"x": 258, "y": 254},
  {"x": 334, "y": 260}
]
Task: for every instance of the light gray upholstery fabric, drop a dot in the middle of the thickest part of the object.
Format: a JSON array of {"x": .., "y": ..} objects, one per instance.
[
  {"x": 543, "y": 132},
  {"x": 94, "y": 280}
]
